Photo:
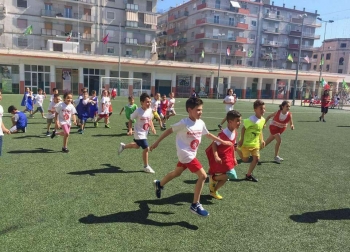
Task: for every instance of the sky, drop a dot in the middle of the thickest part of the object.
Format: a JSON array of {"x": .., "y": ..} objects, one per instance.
[{"x": 337, "y": 10}]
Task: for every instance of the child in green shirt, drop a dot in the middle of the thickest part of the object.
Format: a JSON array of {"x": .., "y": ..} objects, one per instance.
[
  {"x": 252, "y": 138},
  {"x": 129, "y": 109}
]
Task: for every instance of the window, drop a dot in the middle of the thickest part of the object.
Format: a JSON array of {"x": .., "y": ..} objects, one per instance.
[
  {"x": 216, "y": 19},
  {"x": 110, "y": 50},
  {"x": 217, "y": 4},
  {"x": 68, "y": 11},
  {"x": 341, "y": 61},
  {"x": 22, "y": 42},
  {"x": 128, "y": 52},
  {"x": 252, "y": 37},
  {"x": 228, "y": 62},
  {"x": 253, "y": 23},
  {"x": 231, "y": 21},
  {"x": 130, "y": 1},
  {"x": 87, "y": 47},
  {"x": 250, "y": 63},
  {"x": 22, "y": 3},
  {"x": 213, "y": 60},
  {"x": 340, "y": 70},
  {"x": 131, "y": 23},
  {"x": 328, "y": 56},
  {"x": 342, "y": 45},
  {"x": 110, "y": 15},
  {"x": 22, "y": 23},
  {"x": 57, "y": 47},
  {"x": 239, "y": 62},
  {"x": 111, "y": 0},
  {"x": 149, "y": 6},
  {"x": 327, "y": 68},
  {"x": 315, "y": 56},
  {"x": 192, "y": 35},
  {"x": 315, "y": 67}
]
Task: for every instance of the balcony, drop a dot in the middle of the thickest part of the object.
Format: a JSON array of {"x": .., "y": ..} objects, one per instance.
[
  {"x": 198, "y": 50},
  {"x": 305, "y": 35},
  {"x": 223, "y": 7},
  {"x": 295, "y": 33},
  {"x": 272, "y": 43},
  {"x": 132, "y": 7},
  {"x": 64, "y": 35},
  {"x": 267, "y": 56},
  {"x": 306, "y": 22},
  {"x": 139, "y": 25},
  {"x": 173, "y": 17},
  {"x": 293, "y": 46},
  {"x": 201, "y": 6},
  {"x": 271, "y": 30},
  {"x": 307, "y": 48},
  {"x": 182, "y": 41},
  {"x": 180, "y": 54},
  {"x": 82, "y": 2},
  {"x": 243, "y": 11},
  {"x": 2, "y": 10},
  {"x": 213, "y": 21},
  {"x": 273, "y": 17},
  {"x": 171, "y": 31},
  {"x": 61, "y": 14},
  {"x": 241, "y": 40},
  {"x": 200, "y": 35},
  {"x": 163, "y": 33},
  {"x": 239, "y": 53}
]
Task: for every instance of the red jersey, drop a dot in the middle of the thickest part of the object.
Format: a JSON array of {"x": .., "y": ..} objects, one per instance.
[
  {"x": 164, "y": 106},
  {"x": 225, "y": 152},
  {"x": 279, "y": 123},
  {"x": 325, "y": 100}
]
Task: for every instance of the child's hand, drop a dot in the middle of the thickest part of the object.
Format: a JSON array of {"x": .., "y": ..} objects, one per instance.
[
  {"x": 8, "y": 132},
  {"x": 262, "y": 144},
  {"x": 239, "y": 143},
  {"x": 154, "y": 131},
  {"x": 129, "y": 132},
  {"x": 218, "y": 160},
  {"x": 229, "y": 143},
  {"x": 292, "y": 127}
]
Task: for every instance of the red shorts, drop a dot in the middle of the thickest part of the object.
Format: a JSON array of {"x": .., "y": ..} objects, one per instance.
[
  {"x": 276, "y": 130},
  {"x": 193, "y": 166},
  {"x": 103, "y": 115}
]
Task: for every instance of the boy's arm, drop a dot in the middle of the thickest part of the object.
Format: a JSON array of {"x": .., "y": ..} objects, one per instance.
[
  {"x": 269, "y": 117},
  {"x": 164, "y": 135},
  {"x": 214, "y": 138},
  {"x": 262, "y": 140},
  {"x": 291, "y": 122},
  {"x": 121, "y": 111},
  {"x": 215, "y": 152},
  {"x": 56, "y": 121},
  {"x": 242, "y": 137},
  {"x": 4, "y": 129},
  {"x": 74, "y": 119},
  {"x": 152, "y": 127}
]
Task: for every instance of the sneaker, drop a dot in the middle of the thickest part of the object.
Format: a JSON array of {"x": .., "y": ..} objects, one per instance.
[
  {"x": 81, "y": 132},
  {"x": 24, "y": 130},
  {"x": 163, "y": 128},
  {"x": 278, "y": 160},
  {"x": 148, "y": 169},
  {"x": 320, "y": 118},
  {"x": 197, "y": 208},
  {"x": 216, "y": 195},
  {"x": 95, "y": 124},
  {"x": 158, "y": 188},
  {"x": 107, "y": 126},
  {"x": 53, "y": 134},
  {"x": 48, "y": 134},
  {"x": 324, "y": 120},
  {"x": 220, "y": 127},
  {"x": 251, "y": 178},
  {"x": 212, "y": 184},
  {"x": 65, "y": 150},
  {"x": 121, "y": 148},
  {"x": 44, "y": 117}
]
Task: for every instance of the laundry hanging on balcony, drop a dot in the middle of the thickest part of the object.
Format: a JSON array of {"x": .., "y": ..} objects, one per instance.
[{"x": 235, "y": 4}]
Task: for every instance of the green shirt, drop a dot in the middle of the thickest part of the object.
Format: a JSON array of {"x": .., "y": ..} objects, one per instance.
[
  {"x": 253, "y": 129},
  {"x": 129, "y": 109}
]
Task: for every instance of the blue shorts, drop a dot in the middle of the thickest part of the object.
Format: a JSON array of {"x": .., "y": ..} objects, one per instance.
[{"x": 142, "y": 143}]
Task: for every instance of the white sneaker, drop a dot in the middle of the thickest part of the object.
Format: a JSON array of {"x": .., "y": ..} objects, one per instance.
[
  {"x": 148, "y": 169},
  {"x": 121, "y": 148},
  {"x": 278, "y": 159}
]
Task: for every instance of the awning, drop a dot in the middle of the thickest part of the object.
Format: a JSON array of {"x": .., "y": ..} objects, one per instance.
[
  {"x": 132, "y": 16},
  {"x": 150, "y": 19},
  {"x": 235, "y": 4}
]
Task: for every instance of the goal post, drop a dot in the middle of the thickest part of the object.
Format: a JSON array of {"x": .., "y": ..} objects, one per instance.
[{"x": 122, "y": 85}]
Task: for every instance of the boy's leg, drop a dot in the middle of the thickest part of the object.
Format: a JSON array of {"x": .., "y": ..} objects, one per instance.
[
  {"x": 202, "y": 176},
  {"x": 252, "y": 166},
  {"x": 278, "y": 144},
  {"x": 145, "y": 156},
  {"x": 269, "y": 139},
  {"x": 221, "y": 180},
  {"x": 171, "y": 175}
]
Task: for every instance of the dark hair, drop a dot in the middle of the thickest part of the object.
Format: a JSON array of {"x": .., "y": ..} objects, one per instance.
[
  {"x": 66, "y": 94},
  {"x": 54, "y": 89},
  {"x": 326, "y": 92},
  {"x": 11, "y": 109},
  {"x": 193, "y": 102},
  {"x": 130, "y": 97},
  {"x": 56, "y": 95},
  {"x": 228, "y": 91},
  {"x": 258, "y": 103},
  {"x": 85, "y": 92},
  {"x": 233, "y": 114},
  {"x": 39, "y": 89},
  {"x": 93, "y": 91},
  {"x": 83, "y": 89},
  {"x": 144, "y": 96},
  {"x": 284, "y": 103}
]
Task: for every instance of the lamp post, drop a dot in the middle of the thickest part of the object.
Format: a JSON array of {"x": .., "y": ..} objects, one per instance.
[
  {"x": 302, "y": 16},
  {"x": 217, "y": 86},
  {"x": 324, "y": 40}
]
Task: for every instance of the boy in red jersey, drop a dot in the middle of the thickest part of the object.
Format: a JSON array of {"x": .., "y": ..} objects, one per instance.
[
  {"x": 221, "y": 157},
  {"x": 325, "y": 101},
  {"x": 164, "y": 103}
]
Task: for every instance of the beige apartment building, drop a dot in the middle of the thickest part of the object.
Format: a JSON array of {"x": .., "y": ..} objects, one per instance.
[{"x": 243, "y": 32}]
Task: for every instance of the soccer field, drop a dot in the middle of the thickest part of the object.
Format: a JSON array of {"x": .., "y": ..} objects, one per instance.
[{"x": 91, "y": 199}]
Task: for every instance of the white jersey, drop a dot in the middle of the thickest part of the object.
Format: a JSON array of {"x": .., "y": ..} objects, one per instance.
[
  {"x": 52, "y": 107},
  {"x": 155, "y": 104},
  {"x": 188, "y": 137},
  {"x": 106, "y": 101},
  {"x": 65, "y": 113},
  {"x": 229, "y": 98},
  {"x": 1, "y": 115},
  {"x": 171, "y": 104},
  {"x": 230, "y": 135},
  {"x": 143, "y": 120},
  {"x": 39, "y": 100},
  {"x": 51, "y": 98}
]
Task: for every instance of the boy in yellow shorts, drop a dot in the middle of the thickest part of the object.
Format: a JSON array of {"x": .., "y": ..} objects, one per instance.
[
  {"x": 252, "y": 138},
  {"x": 154, "y": 105}
]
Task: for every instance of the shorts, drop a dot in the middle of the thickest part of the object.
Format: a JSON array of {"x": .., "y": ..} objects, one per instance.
[
  {"x": 247, "y": 151},
  {"x": 49, "y": 120},
  {"x": 142, "y": 143},
  {"x": 103, "y": 115},
  {"x": 231, "y": 174},
  {"x": 274, "y": 130},
  {"x": 15, "y": 129},
  {"x": 324, "y": 110},
  {"x": 193, "y": 166},
  {"x": 156, "y": 115},
  {"x": 66, "y": 128},
  {"x": 162, "y": 116},
  {"x": 40, "y": 109},
  {"x": 171, "y": 112}
]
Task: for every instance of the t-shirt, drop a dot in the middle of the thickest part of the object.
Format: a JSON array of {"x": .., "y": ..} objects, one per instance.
[
  {"x": 164, "y": 106},
  {"x": 1, "y": 115},
  {"x": 52, "y": 106},
  {"x": 229, "y": 98},
  {"x": 129, "y": 109},
  {"x": 253, "y": 128},
  {"x": 230, "y": 135},
  {"x": 188, "y": 137},
  {"x": 171, "y": 104},
  {"x": 155, "y": 104},
  {"x": 65, "y": 113},
  {"x": 39, "y": 100},
  {"x": 51, "y": 98},
  {"x": 325, "y": 100},
  {"x": 106, "y": 101},
  {"x": 143, "y": 119}
]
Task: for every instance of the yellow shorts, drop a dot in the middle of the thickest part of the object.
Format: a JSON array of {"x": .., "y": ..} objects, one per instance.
[
  {"x": 250, "y": 151},
  {"x": 155, "y": 115}
]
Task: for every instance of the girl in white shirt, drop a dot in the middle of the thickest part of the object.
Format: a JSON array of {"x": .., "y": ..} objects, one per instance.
[
  {"x": 230, "y": 101},
  {"x": 103, "y": 109}
]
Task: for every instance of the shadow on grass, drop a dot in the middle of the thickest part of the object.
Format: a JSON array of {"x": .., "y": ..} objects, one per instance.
[
  {"x": 139, "y": 216},
  {"x": 267, "y": 162},
  {"x": 309, "y": 121},
  {"x": 193, "y": 182},
  {"x": 28, "y": 136},
  {"x": 313, "y": 217},
  {"x": 9, "y": 229},
  {"x": 110, "y": 169},
  {"x": 37, "y": 150},
  {"x": 109, "y": 135},
  {"x": 343, "y": 126}
]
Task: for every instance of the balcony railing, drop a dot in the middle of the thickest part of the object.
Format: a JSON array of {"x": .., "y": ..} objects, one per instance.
[
  {"x": 223, "y": 7},
  {"x": 90, "y": 2},
  {"x": 237, "y": 25},
  {"x": 273, "y": 43},
  {"x": 62, "y": 34},
  {"x": 130, "y": 41},
  {"x": 132, "y": 7},
  {"x": 70, "y": 15},
  {"x": 305, "y": 34},
  {"x": 271, "y": 30},
  {"x": 273, "y": 16},
  {"x": 239, "y": 53},
  {"x": 306, "y": 22},
  {"x": 173, "y": 17}
]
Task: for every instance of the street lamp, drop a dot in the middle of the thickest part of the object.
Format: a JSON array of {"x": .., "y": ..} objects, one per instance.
[
  {"x": 302, "y": 16},
  {"x": 220, "y": 35},
  {"x": 324, "y": 40}
]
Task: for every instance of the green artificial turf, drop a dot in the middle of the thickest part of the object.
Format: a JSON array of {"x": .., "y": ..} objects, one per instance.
[{"x": 48, "y": 199}]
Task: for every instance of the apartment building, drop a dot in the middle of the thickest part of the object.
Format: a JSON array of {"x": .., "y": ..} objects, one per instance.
[
  {"x": 78, "y": 27},
  {"x": 336, "y": 56},
  {"x": 243, "y": 32}
]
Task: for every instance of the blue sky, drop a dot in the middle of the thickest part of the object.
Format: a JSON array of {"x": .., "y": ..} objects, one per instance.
[{"x": 337, "y": 10}]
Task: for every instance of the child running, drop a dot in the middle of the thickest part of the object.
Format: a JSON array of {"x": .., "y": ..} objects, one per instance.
[
  {"x": 230, "y": 101},
  {"x": 27, "y": 101},
  {"x": 155, "y": 104},
  {"x": 19, "y": 120},
  {"x": 65, "y": 111},
  {"x": 103, "y": 109},
  {"x": 143, "y": 118},
  {"x": 39, "y": 100},
  {"x": 129, "y": 109},
  {"x": 171, "y": 106},
  {"x": 222, "y": 160},
  {"x": 54, "y": 92},
  {"x": 93, "y": 106},
  {"x": 51, "y": 111},
  {"x": 83, "y": 110},
  {"x": 278, "y": 125},
  {"x": 252, "y": 138},
  {"x": 325, "y": 101},
  {"x": 164, "y": 103},
  {"x": 189, "y": 132},
  {"x": 3, "y": 129}
]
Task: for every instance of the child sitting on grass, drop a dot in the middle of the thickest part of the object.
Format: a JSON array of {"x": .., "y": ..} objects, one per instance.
[{"x": 19, "y": 120}]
